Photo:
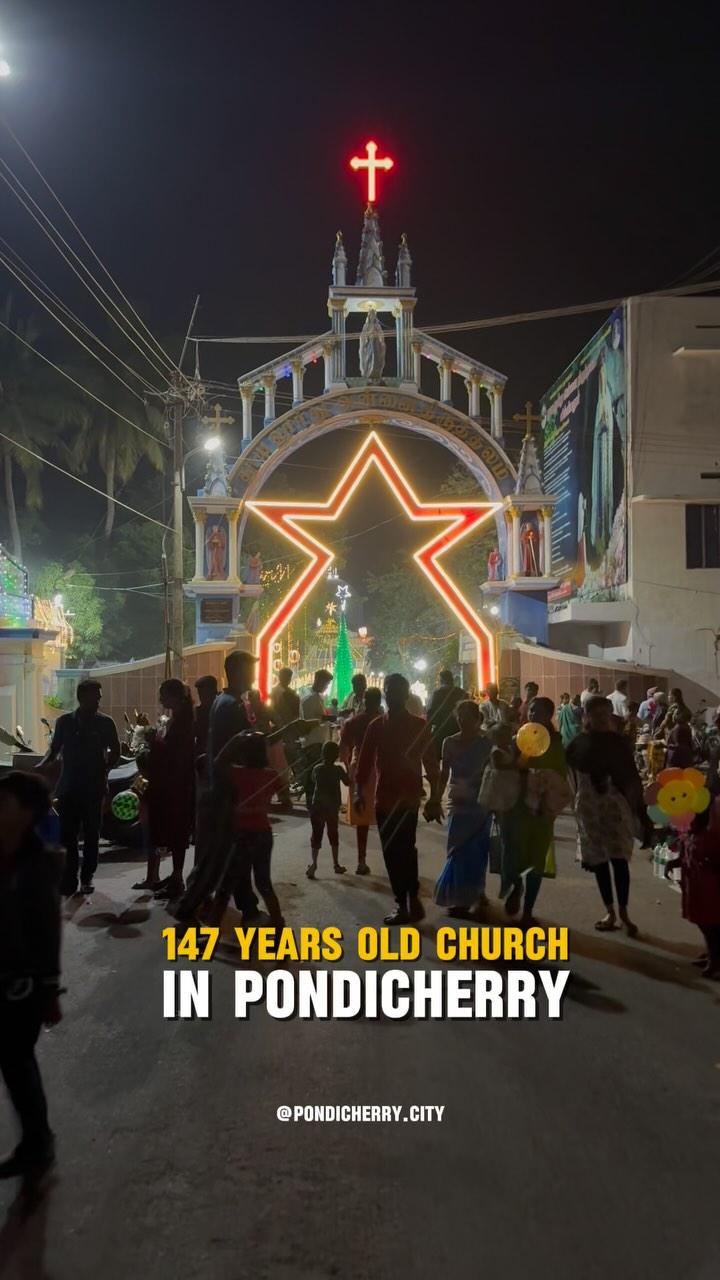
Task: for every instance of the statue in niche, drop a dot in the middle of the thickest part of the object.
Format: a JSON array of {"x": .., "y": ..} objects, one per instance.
[
  {"x": 529, "y": 546},
  {"x": 372, "y": 348},
  {"x": 215, "y": 547},
  {"x": 254, "y": 569},
  {"x": 494, "y": 565},
  {"x": 216, "y": 476}
]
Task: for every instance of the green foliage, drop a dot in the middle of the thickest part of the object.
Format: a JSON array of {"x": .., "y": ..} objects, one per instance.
[{"x": 82, "y": 603}]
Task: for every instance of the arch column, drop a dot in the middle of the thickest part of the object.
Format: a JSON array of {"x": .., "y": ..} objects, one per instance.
[
  {"x": 328, "y": 362},
  {"x": 247, "y": 394},
  {"x": 199, "y": 514},
  {"x": 269, "y": 387},
  {"x": 417, "y": 363},
  {"x": 473, "y": 385},
  {"x": 514, "y": 542},
  {"x": 337, "y": 307},
  {"x": 445, "y": 369},
  {"x": 297, "y": 381},
  {"x": 496, "y": 417},
  {"x": 546, "y": 513},
  {"x": 233, "y": 518}
]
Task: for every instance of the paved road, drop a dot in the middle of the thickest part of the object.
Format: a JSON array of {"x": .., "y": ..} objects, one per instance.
[{"x": 584, "y": 1148}]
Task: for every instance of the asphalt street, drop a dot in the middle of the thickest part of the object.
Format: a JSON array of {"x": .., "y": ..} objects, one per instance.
[{"x": 581, "y": 1148}]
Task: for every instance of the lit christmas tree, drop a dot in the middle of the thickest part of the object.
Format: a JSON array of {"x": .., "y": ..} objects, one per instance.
[{"x": 342, "y": 675}]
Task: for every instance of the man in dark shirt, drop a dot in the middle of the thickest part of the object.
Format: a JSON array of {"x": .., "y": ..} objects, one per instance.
[
  {"x": 88, "y": 745},
  {"x": 441, "y": 709},
  {"x": 228, "y": 717},
  {"x": 397, "y": 745},
  {"x": 284, "y": 702},
  {"x": 207, "y": 691},
  {"x": 29, "y": 966}
]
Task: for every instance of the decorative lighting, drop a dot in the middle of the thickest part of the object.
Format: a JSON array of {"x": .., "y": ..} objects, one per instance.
[
  {"x": 459, "y": 518},
  {"x": 372, "y": 164},
  {"x": 212, "y": 444},
  {"x": 15, "y": 598},
  {"x": 420, "y": 665},
  {"x": 343, "y": 594},
  {"x": 362, "y": 633},
  {"x": 494, "y": 610}
]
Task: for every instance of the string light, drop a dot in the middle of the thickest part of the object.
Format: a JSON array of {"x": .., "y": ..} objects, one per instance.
[
  {"x": 460, "y": 518},
  {"x": 15, "y": 598}
]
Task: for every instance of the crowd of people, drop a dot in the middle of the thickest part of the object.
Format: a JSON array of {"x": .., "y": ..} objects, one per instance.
[{"x": 212, "y": 769}]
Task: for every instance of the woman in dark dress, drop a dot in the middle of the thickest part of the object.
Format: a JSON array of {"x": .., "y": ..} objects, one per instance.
[{"x": 170, "y": 798}]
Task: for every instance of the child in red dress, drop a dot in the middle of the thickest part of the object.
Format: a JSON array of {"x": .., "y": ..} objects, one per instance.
[{"x": 253, "y": 785}]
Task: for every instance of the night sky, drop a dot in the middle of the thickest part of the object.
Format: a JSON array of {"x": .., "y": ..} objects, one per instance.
[{"x": 545, "y": 155}]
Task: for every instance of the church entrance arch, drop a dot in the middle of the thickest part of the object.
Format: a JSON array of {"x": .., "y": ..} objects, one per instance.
[{"x": 377, "y": 409}]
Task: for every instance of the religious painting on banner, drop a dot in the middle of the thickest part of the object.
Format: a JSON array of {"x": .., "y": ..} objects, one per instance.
[{"x": 585, "y": 466}]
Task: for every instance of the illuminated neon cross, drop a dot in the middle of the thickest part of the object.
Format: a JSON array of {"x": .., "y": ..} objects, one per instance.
[
  {"x": 371, "y": 164},
  {"x": 458, "y": 518}
]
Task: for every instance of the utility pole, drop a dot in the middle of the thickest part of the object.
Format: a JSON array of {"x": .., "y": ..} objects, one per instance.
[
  {"x": 180, "y": 395},
  {"x": 177, "y": 595}
]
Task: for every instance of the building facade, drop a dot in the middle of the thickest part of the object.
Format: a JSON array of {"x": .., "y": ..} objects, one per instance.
[{"x": 632, "y": 452}]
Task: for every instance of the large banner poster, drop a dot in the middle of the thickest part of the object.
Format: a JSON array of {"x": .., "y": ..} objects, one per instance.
[{"x": 585, "y": 442}]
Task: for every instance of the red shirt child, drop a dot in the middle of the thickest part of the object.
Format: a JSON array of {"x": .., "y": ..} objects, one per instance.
[{"x": 253, "y": 790}]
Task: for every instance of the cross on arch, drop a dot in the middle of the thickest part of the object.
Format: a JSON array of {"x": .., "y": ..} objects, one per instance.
[
  {"x": 372, "y": 164},
  {"x": 217, "y": 421}
]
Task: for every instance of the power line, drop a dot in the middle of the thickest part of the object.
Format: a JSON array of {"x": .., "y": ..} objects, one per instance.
[
  {"x": 491, "y": 322},
  {"x": 84, "y": 483},
  {"x": 161, "y": 350},
  {"x": 50, "y": 293},
  {"x": 9, "y": 267},
  {"x": 72, "y": 266},
  {"x": 76, "y": 256},
  {"x": 87, "y": 391}
]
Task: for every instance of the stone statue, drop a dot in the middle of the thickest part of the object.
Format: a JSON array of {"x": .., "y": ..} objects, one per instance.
[
  {"x": 254, "y": 569},
  {"x": 494, "y": 565},
  {"x": 215, "y": 546},
  {"x": 372, "y": 348},
  {"x": 216, "y": 476}
]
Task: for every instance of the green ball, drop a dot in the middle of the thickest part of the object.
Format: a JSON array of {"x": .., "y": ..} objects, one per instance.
[{"x": 125, "y": 806}]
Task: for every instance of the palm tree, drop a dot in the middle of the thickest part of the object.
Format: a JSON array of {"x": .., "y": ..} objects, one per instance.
[
  {"x": 114, "y": 444},
  {"x": 33, "y": 405}
]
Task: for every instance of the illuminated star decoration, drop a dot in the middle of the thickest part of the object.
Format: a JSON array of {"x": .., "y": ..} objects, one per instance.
[
  {"x": 459, "y": 518},
  {"x": 331, "y": 608},
  {"x": 343, "y": 594},
  {"x": 371, "y": 164}
]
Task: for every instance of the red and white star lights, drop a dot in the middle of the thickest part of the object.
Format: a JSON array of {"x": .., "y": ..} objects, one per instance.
[{"x": 459, "y": 518}]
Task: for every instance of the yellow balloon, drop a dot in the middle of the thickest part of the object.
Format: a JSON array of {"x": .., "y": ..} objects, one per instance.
[
  {"x": 701, "y": 800},
  {"x": 677, "y": 796},
  {"x": 533, "y": 739}
]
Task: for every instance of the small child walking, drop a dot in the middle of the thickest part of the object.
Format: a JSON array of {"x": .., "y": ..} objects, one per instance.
[
  {"x": 325, "y": 800},
  {"x": 253, "y": 785}
]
